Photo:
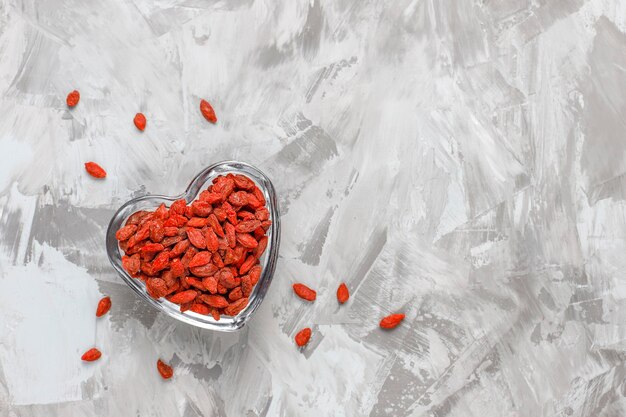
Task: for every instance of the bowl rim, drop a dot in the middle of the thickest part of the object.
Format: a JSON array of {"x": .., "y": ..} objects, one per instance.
[{"x": 269, "y": 258}]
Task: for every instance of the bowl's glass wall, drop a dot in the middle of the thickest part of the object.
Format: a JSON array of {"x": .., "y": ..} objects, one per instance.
[{"x": 201, "y": 182}]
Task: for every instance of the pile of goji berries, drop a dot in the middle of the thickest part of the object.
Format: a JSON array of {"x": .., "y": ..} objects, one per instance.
[{"x": 203, "y": 256}]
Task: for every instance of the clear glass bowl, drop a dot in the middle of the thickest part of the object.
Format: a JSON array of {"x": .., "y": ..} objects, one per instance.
[{"x": 199, "y": 183}]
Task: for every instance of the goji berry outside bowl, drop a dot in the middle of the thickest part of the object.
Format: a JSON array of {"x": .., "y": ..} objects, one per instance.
[{"x": 199, "y": 183}]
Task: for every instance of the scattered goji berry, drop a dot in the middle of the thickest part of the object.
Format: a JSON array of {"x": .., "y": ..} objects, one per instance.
[
  {"x": 104, "y": 305},
  {"x": 184, "y": 297},
  {"x": 91, "y": 355},
  {"x": 140, "y": 121},
  {"x": 95, "y": 170},
  {"x": 207, "y": 111},
  {"x": 391, "y": 321},
  {"x": 303, "y": 336},
  {"x": 342, "y": 293},
  {"x": 304, "y": 292},
  {"x": 164, "y": 369},
  {"x": 72, "y": 98}
]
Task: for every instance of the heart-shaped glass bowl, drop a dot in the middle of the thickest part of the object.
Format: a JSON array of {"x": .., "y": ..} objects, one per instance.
[{"x": 199, "y": 183}]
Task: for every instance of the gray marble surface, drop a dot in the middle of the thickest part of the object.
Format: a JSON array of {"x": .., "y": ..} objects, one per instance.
[{"x": 461, "y": 161}]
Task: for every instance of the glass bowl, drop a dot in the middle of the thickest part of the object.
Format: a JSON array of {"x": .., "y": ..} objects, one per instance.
[{"x": 199, "y": 183}]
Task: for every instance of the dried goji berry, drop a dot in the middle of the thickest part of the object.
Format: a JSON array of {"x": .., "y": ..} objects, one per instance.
[
  {"x": 217, "y": 260},
  {"x": 247, "y": 241},
  {"x": 258, "y": 194},
  {"x": 200, "y": 308},
  {"x": 239, "y": 198},
  {"x": 169, "y": 277},
  {"x": 210, "y": 283},
  {"x": 201, "y": 258},
  {"x": 235, "y": 294},
  {"x": 259, "y": 232},
  {"x": 156, "y": 287},
  {"x": 91, "y": 355},
  {"x": 125, "y": 232},
  {"x": 204, "y": 271},
  {"x": 196, "y": 237},
  {"x": 258, "y": 251},
  {"x": 255, "y": 274},
  {"x": 131, "y": 264},
  {"x": 214, "y": 222},
  {"x": 262, "y": 214},
  {"x": 196, "y": 283},
  {"x": 178, "y": 207},
  {"x": 226, "y": 279},
  {"x": 216, "y": 314},
  {"x": 231, "y": 236},
  {"x": 342, "y": 293},
  {"x": 170, "y": 231},
  {"x": 95, "y": 170},
  {"x": 172, "y": 240},
  {"x": 72, "y": 98},
  {"x": 140, "y": 121},
  {"x": 177, "y": 268},
  {"x": 235, "y": 307},
  {"x": 391, "y": 321},
  {"x": 104, "y": 305},
  {"x": 249, "y": 263},
  {"x": 243, "y": 182},
  {"x": 212, "y": 243},
  {"x": 162, "y": 212},
  {"x": 253, "y": 202},
  {"x": 201, "y": 208},
  {"x": 247, "y": 226},
  {"x": 207, "y": 111},
  {"x": 304, "y": 292},
  {"x": 152, "y": 247},
  {"x": 303, "y": 336},
  {"x": 216, "y": 301},
  {"x": 183, "y": 297},
  {"x": 136, "y": 217},
  {"x": 179, "y": 248},
  {"x": 156, "y": 231},
  {"x": 164, "y": 369},
  {"x": 246, "y": 285}
]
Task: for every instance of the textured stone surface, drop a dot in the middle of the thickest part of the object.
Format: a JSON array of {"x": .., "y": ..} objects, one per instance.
[{"x": 463, "y": 162}]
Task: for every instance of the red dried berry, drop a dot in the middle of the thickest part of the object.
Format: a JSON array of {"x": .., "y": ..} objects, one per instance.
[
  {"x": 196, "y": 237},
  {"x": 212, "y": 243},
  {"x": 342, "y": 293},
  {"x": 247, "y": 241},
  {"x": 152, "y": 247},
  {"x": 72, "y": 98},
  {"x": 210, "y": 283},
  {"x": 95, "y": 170},
  {"x": 303, "y": 336},
  {"x": 236, "y": 307},
  {"x": 216, "y": 301},
  {"x": 91, "y": 355},
  {"x": 164, "y": 369},
  {"x": 258, "y": 251},
  {"x": 207, "y": 111},
  {"x": 140, "y": 121},
  {"x": 104, "y": 305},
  {"x": 125, "y": 232},
  {"x": 304, "y": 292},
  {"x": 201, "y": 309},
  {"x": 391, "y": 321},
  {"x": 183, "y": 297},
  {"x": 204, "y": 271},
  {"x": 201, "y": 258}
]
